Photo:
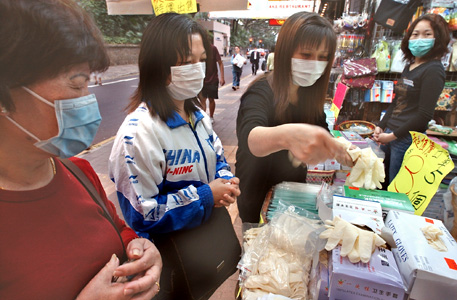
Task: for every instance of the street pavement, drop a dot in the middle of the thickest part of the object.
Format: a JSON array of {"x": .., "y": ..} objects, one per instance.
[{"x": 224, "y": 125}]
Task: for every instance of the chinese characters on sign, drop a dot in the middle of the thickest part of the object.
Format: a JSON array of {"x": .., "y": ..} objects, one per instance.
[
  {"x": 424, "y": 166},
  {"x": 177, "y": 6}
]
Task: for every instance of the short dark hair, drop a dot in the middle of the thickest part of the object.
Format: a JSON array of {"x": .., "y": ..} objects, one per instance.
[
  {"x": 40, "y": 39},
  {"x": 165, "y": 41},
  {"x": 440, "y": 31}
]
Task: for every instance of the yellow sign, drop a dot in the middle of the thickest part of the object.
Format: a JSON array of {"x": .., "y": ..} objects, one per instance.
[
  {"x": 424, "y": 166},
  {"x": 177, "y": 6}
]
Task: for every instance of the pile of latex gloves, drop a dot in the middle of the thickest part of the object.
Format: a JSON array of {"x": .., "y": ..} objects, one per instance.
[
  {"x": 277, "y": 258},
  {"x": 432, "y": 234},
  {"x": 368, "y": 170},
  {"x": 356, "y": 243}
]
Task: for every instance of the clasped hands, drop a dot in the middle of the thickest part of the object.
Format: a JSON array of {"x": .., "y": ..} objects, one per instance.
[
  {"x": 225, "y": 191},
  {"x": 146, "y": 267}
]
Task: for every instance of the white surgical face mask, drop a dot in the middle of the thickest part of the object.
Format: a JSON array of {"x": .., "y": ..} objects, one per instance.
[
  {"x": 307, "y": 72},
  {"x": 186, "y": 81}
]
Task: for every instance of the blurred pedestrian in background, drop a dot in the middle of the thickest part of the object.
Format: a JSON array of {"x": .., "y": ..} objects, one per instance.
[
  {"x": 270, "y": 60},
  {"x": 57, "y": 241},
  {"x": 254, "y": 58},
  {"x": 211, "y": 82},
  {"x": 237, "y": 61},
  {"x": 97, "y": 77}
]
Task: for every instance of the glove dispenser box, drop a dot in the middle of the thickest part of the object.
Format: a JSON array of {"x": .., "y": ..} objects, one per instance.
[
  {"x": 427, "y": 272},
  {"x": 377, "y": 279}
]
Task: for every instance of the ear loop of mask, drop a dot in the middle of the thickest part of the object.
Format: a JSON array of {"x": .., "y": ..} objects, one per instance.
[{"x": 22, "y": 128}]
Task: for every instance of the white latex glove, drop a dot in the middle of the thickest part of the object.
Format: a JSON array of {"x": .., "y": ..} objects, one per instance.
[
  {"x": 357, "y": 244},
  {"x": 432, "y": 234},
  {"x": 295, "y": 162},
  {"x": 368, "y": 171}
]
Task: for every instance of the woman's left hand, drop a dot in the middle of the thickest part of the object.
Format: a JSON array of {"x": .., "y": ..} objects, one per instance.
[{"x": 146, "y": 268}]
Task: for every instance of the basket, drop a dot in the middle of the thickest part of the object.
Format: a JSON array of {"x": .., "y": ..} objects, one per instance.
[
  {"x": 363, "y": 128},
  {"x": 319, "y": 176}
]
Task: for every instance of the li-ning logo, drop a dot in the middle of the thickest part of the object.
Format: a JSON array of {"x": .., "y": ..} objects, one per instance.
[{"x": 180, "y": 170}]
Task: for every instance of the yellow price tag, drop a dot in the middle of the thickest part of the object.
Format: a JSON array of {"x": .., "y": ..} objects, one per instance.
[
  {"x": 177, "y": 6},
  {"x": 424, "y": 166}
]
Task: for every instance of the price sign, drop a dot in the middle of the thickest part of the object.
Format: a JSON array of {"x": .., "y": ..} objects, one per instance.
[
  {"x": 177, "y": 6},
  {"x": 424, "y": 166}
]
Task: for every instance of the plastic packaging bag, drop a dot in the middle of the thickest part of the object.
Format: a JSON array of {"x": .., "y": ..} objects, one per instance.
[
  {"x": 278, "y": 260},
  {"x": 382, "y": 55}
]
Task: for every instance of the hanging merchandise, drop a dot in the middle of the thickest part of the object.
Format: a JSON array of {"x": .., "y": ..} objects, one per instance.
[
  {"x": 359, "y": 73},
  {"x": 398, "y": 64},
  {"x": 396, "y": 14},
  {"x": 382, "y": 56},
  {"x": 453, "y": 60}
]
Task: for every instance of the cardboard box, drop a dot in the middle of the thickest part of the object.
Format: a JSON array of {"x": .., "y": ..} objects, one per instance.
[
  {"x": 360, "y": 212},
  {"x": 355, "y": 139},
  {"x": 378, "y": 279},
  {"x": 387, "y": 91},
  {"x": 374, "y": 94},
  {"x": 388, "y": 200},
  {"x": 427, "y": 273},
  {"x": 332, "y": 164}
]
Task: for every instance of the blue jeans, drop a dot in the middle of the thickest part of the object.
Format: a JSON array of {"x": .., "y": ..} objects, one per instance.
[
  {"x": 395, "y": 151},
  {"x": 236, "y": 75}
]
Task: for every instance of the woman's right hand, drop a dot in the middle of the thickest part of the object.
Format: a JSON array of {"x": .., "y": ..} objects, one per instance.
[
  {"x": 312, "y": 144},
  {"x": 225, "y": 191},
  {"x": 377, "y": 131},
  {"x": 102, "y": 287}
]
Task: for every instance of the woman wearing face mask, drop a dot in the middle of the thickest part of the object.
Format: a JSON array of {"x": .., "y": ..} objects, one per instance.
[
  {"x": 56, "y": 241},
  {"x": 167, "y": 162},
  {"x": 417, "y": 91},
  {"x": 283, "y": 113}
]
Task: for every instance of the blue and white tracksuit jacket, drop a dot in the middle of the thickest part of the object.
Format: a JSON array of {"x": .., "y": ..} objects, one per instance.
[{"x": 162, "y": 169}]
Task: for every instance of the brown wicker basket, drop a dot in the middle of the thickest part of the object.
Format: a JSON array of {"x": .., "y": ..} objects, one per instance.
[
  {"x": 346, "y": 126},
  {"x": 319, "y": 176}
]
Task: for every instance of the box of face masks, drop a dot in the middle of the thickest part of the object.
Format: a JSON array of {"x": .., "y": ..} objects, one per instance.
[
  {"x": 427, "y": 273},
  {"x": 378, "y": 279}
]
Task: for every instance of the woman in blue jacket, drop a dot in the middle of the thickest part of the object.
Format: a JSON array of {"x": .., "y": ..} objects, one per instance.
[{"x": 167, "y": 162}]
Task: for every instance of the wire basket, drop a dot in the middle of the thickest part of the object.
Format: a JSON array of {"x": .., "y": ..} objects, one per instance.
[{"x": 319, "y": 176}]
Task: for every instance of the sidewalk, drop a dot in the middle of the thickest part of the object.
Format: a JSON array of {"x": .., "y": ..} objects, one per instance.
[{"x": 224, "y": 125}]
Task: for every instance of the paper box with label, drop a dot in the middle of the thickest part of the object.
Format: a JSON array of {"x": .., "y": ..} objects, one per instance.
[
  {"x": 427, "y": 272},
  {"x": 378, "y": 279},
  {"x": 360, "y": 212},
  {"x": 389, "y": 200}
]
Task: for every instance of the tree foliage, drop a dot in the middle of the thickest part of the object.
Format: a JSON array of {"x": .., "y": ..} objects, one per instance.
[
  {"x": 257, "y": 29},
  {"x": 118, "y": 29}
]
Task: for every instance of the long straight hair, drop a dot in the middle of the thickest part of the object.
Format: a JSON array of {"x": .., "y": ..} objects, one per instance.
[
  {"x": 167, "y": 39},
  {"x": 301, "y": 29}
]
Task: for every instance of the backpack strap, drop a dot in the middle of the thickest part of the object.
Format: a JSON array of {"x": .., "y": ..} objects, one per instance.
[{"x": 82, "y": 178}]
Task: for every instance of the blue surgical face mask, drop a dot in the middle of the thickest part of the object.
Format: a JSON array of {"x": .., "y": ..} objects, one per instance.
[
  {"x": 78, "y": 120},
  {"x": 420, "y": 47}
]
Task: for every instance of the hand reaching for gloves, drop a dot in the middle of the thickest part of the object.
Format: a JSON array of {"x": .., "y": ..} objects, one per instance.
[
  {"x": 368, "y": 171},
  {"x": 357, "y": 244}
]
